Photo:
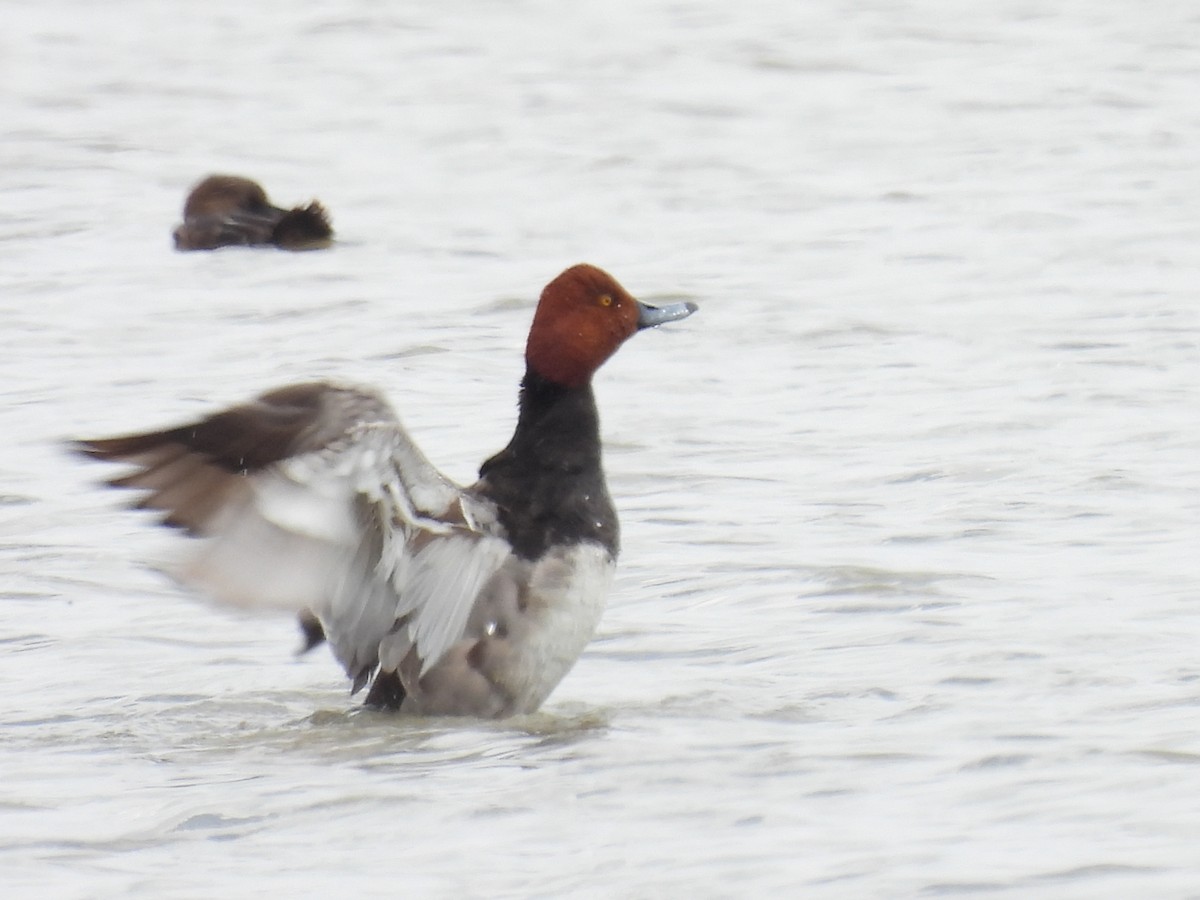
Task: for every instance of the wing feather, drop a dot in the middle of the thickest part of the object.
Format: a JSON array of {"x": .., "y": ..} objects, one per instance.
[{"x": 314, "y": 498}]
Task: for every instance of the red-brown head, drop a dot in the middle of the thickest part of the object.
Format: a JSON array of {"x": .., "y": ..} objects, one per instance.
[{"x": 584, "y": 315}]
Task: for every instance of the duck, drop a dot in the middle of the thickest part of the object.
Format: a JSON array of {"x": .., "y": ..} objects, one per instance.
[
  {"x": 439, "y": 599},
  {"x": 228, "y": 210}
]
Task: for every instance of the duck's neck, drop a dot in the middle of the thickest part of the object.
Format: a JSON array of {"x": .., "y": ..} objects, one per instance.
[
  {"x": 548, "y": 482},
  {"x": 557, "y": 425}
]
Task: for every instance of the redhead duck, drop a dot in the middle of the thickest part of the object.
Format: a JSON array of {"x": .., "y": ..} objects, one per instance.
[
  {"x": 446, "y": 600},
  {"x": 226, "y": 210}
]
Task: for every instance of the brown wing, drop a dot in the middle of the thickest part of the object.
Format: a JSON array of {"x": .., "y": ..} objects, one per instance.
[{"x": 193, "y": 470}]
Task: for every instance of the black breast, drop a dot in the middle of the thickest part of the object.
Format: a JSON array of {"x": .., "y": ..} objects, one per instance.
[{"x": 548, "y": 482}]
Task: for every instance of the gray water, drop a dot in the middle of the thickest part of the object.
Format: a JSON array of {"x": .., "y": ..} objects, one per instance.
[{"x": 908, "y": 603}]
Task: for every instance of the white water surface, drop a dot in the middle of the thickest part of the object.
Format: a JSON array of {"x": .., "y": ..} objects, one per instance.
[{"x": 908, "y": 603}]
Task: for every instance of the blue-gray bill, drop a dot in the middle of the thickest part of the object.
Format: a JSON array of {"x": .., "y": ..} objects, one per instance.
[{"x": 650, "y": 316}]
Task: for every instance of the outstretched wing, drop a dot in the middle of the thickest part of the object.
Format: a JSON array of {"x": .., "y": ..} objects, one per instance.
[{"x": 313, "y": 498}]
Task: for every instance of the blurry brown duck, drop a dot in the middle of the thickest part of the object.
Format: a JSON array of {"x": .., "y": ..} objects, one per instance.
[{"x": 227, "y": 210}]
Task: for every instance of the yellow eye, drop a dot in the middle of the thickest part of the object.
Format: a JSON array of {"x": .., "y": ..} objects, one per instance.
[{"x": 606, "y": 300}]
